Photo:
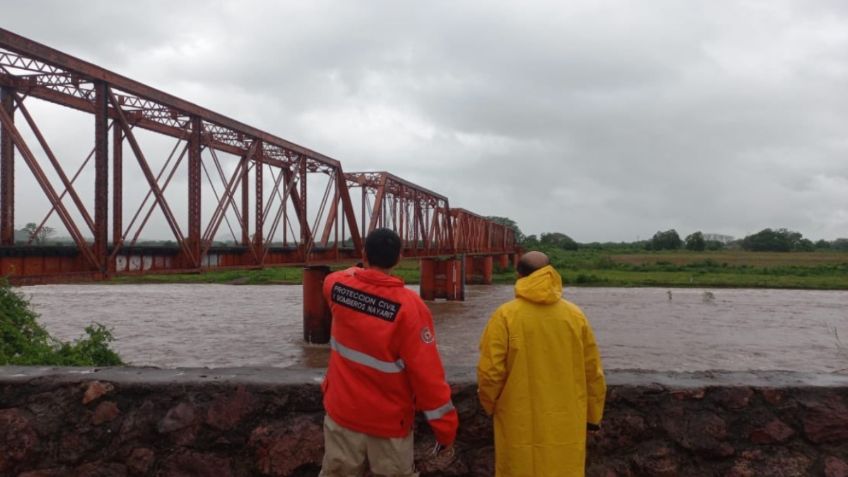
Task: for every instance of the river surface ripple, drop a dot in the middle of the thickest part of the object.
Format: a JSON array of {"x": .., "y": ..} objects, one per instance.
[{"x": 188, "y": 325}]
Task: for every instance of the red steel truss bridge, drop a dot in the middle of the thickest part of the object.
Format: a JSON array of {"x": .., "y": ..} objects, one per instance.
[{"x": 232, "y": 196}]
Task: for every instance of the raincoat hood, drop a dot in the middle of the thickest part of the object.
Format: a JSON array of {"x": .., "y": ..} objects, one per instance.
[{"x": 542, "y": 286}]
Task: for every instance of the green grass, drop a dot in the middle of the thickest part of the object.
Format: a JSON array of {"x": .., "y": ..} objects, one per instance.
[
  {"x": 736, "y": 258},
  {"x": 808, "y": 270},
  {"x": 625, "y": 278},
  {"x": 265, "y": 276}
]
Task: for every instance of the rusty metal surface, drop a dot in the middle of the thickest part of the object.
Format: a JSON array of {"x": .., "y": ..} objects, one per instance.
[
  {"x": 58, "y": 72},
  {"x": 194, "y": 188},
  {"x": 420, "y": 216},
  {"x": 7, "y": 174},
  {"x": 292, "y": 223},
  {"x": 316, "y": 311},
  {"x": 101, "y": 174},
  {"x": 442, "y": 279}
]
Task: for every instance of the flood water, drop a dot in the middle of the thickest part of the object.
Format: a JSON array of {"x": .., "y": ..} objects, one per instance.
[{"x": 179, "y": 325}]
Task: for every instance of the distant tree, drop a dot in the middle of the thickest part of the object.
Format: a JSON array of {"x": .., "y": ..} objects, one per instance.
[
  {"x": 696, "y": 242},
  {"x": 840, "y": 244},
  {"x": 506, "y": 221},
  {"x": 734, "y": 245},
  {"x": 768, "y": 240},
  {"x": 714, "y": 245},
  {"x": 668, "y": 240},
  {"x": 634, "y": 246},
  {"x": 804, "y": 245},
  {"x": 822, "y": 245},
  {"x": 725, "y": 239},
  {"x": 39, "y": 236},
  {"x": 530, "y": 240},
  {"x": 558, "y": 240}
]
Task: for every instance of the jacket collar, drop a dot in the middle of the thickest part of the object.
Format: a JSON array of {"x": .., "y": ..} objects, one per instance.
[{"x": 376, "y": 277}]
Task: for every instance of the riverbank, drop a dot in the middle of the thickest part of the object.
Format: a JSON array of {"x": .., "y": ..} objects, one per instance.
[{"x": 723, "y": 269}]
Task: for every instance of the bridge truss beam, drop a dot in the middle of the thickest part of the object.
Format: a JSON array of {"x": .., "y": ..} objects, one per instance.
[
  {"x": 420, "y": 216},
  {"x": 297, "y": 209}
]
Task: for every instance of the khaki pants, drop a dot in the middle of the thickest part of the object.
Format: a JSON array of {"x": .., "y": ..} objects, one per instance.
[{"x": 347, "y": 453}]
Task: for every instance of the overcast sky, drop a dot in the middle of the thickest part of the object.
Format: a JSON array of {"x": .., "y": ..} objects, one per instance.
[{"x": 605, "y": 120}]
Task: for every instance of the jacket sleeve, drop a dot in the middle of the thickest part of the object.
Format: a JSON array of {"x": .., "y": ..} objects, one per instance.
[
  {"x": 596, "y": 387},
  {"x": 423, "y": 366},
  {"x": 327, "y": 286},
  {"x": 491, "y": 369}
]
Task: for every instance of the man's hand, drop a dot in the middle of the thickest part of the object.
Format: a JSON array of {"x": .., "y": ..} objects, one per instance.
[{"x": 442, "y": 455}]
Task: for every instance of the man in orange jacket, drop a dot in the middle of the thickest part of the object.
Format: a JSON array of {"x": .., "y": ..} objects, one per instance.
[{"x": 384, "y": 365}]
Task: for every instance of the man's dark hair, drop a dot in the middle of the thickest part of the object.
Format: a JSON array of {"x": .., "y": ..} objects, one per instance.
[
  {"x": 524, "y": 269},
  {"x": 382, "y": 248}
]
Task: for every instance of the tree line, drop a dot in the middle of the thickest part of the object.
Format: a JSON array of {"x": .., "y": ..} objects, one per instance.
[{"x": 766, "y": 240}]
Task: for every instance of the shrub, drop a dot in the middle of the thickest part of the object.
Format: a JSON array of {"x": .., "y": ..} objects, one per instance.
[
  {"x": 583, "y": 278},
  {"x": 780, "y": 240},
  {"x": 668, "y": 240},
  {"x": 696, "y": 242},
  {"x": 24, "y": 341},
  {"x": 559, "y": 240}
]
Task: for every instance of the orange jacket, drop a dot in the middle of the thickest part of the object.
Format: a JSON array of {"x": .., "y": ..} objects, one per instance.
[{"x": 384, "y": 363}]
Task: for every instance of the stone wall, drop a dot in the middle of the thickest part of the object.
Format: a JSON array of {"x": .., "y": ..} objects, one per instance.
[{"x": 267, "y": 422}]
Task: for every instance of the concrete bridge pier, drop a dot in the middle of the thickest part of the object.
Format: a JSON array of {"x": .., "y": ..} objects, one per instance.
[
  {"x": 443, "y": 278},
  {"x": 503, "y": 261},
  {"x": 479, "y": 269},
  {"x": 316, "y": 312},
  {"x": 487, "y": 267},
  {"x": 468, "y": 271}
]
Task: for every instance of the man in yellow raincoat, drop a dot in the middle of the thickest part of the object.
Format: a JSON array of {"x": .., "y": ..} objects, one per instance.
[{"x": 540, "y": 375}]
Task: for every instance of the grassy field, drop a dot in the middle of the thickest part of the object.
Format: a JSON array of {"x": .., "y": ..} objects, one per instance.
[
  {"x": 266, "y": 276},
  {"x": 736, "y": 258},
  {"x": 809, "y": 270},
  {"x": 407, "y": 269},
  {"x": 814, "y": 270}
]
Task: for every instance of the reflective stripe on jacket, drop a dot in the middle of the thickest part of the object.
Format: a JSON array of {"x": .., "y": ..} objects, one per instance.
[
  {"x": 540, "y": 375},
  {"x": 384, "y": 363}
]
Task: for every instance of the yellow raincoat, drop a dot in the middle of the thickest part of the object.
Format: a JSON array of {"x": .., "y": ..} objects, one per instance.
[{"x": 540, "y": 375}]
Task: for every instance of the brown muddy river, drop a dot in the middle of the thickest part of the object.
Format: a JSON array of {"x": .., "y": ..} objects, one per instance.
[{"x": 637, "y": 328}]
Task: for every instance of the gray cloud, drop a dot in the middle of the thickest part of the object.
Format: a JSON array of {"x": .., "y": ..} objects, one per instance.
[{"x": 605, "y": 120}]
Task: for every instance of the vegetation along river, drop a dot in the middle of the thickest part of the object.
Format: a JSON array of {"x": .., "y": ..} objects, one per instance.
[{"x": 187, "y": 325}]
